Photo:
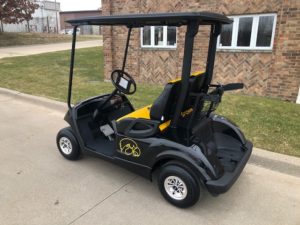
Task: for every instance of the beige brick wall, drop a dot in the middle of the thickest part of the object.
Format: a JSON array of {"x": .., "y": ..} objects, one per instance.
[{"x": 275, "y": 73}]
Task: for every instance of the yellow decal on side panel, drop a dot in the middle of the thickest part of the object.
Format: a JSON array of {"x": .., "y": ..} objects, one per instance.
[{"x": 129, "y": 147}]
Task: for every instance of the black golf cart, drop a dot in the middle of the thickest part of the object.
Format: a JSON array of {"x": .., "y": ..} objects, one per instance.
[{"x": 178, "y": 136}]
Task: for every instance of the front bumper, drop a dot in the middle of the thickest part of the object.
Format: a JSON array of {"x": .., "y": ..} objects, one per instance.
[{"x": 225, "y": 182}]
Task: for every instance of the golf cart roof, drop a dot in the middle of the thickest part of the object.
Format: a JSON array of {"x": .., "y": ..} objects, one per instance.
[{"x": 140, "y": 20}]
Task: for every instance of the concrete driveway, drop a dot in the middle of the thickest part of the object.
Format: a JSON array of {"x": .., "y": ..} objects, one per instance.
[
  {"x": 38, "y": 186},
  {"x": 43, "y": 48}
]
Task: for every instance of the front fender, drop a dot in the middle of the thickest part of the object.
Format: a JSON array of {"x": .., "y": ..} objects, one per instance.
[{"x": 68, "y": 117}]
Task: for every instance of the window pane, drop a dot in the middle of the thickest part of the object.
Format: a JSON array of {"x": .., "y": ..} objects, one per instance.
[
  {"x": 147, "y": 35},
  {"x": 171, "y": 36},
  {"x": 244, "y": 34},
  {"x": 158, "y": 35},
  {"x": 226, "y": 35},
  {"x": 264, "y": 33}
]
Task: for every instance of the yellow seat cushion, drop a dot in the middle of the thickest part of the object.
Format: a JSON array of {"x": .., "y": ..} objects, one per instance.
[{"x": 144, "y": 113}]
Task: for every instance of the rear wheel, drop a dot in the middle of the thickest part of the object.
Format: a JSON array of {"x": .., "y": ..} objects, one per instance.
[
  {"x": 67, "y": 144},
  {"x": 178, "y": 186}
]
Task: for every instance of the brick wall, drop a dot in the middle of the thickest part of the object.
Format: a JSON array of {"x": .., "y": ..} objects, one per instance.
[{"x": 274, "y": 73}]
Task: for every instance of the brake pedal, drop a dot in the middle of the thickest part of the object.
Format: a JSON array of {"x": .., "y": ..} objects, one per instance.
[{"x": 107, "y": 131}]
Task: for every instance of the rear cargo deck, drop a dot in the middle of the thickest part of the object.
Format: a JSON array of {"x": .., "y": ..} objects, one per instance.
[
  {"x": 229, "y": 151},
  {"x": 233, "y": 162}
]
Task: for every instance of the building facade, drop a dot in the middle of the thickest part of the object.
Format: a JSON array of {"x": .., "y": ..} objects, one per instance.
[
  {"x": 261, "y": 48},
  {"x": 45, "y": 19},
  {"x": 69, "y": 15}
]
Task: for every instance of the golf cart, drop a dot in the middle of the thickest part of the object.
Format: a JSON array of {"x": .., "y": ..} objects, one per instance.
[{"x": 178, "y": 137}]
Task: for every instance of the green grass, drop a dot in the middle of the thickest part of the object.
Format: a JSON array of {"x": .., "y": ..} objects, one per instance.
[
  {"x": 48, "y": 75},
  {"x": 271, "y": 124},
  {"x": 14, "y": 39}
]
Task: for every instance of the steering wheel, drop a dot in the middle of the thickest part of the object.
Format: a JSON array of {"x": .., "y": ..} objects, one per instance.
[{"x": 123, "y": 82}]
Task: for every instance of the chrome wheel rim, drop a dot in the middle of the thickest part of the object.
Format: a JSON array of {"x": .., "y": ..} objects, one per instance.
[
  {"x": 175, "y": 188},
  {"x": 65, "y": 145}
]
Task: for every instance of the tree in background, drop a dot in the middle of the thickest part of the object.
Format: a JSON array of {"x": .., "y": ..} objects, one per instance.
[
  {"x": 7, "y": 12},
  {"x": 16, "y": 11},
  {"x": 25, "y": 10}
]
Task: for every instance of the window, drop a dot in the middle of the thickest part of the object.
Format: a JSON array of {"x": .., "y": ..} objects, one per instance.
[
  {"x": 249, "y": 32},
  {"x": 158, "y": 37},
  {"x": 147, "y": 36},
  {"x": 226, "y": 36},
  {"x": 244, "y": 32}
]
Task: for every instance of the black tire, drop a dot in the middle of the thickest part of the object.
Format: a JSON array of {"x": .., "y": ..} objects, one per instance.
[
  {"x": 186, "y": 198},
  {"x": 67, "y": 144}
]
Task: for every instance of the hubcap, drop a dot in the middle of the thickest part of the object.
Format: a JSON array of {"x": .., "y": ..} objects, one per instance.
[
  {"x": 65, "y": 145},
  {"x": 175, "y": 188}
]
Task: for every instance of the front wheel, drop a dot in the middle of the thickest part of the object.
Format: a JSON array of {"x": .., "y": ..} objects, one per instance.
[
  {"x": 178, "y": 186},
  {"x": 67, "y": 144}
]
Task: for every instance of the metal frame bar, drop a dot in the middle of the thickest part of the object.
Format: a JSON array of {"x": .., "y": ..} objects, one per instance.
[
  {"x": 192, "y": 30},
  {"x": 126, "y": 48},
  {"x": 214, "y": 33},
  {"x": 72, "y": 66}
]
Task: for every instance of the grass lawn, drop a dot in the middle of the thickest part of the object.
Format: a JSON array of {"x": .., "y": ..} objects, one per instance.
[
  {"x": 271, "y": 124},
  {"x": 13, "y": 39}
]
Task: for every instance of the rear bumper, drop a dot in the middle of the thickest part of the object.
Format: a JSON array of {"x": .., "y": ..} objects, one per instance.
[{"x": 225, "y": 182}]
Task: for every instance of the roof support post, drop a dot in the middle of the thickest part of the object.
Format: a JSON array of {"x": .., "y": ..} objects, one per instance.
[
  {"x": 72, "y": 66},
  {"x": 214, "y": 33},
  {"x": 192, "y": 30},
  {"x": 126, "y": 48}
]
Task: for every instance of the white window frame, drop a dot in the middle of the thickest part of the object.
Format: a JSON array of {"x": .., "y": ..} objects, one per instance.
[
  {"x": 152, "y": 41},
  {"x": 254, "y": 32}
]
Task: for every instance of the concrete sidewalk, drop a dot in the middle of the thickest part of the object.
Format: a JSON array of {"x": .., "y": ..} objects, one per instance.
[
  {"x": 38, "y": 186},
  {"x": 43, "y": 48}
]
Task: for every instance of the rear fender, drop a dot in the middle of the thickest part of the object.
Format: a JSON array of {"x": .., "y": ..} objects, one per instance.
[
  {"x": 190, "y": 163},
  {"x": 224, "y": 125},
  {"x": 166, "y": 149}
]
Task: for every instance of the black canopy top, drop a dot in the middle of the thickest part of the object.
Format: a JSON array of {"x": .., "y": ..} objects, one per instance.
[{"x": 140, "y": 20}]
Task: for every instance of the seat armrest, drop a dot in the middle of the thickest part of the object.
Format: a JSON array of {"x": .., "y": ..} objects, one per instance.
[{"x": 138, "y": 128}]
